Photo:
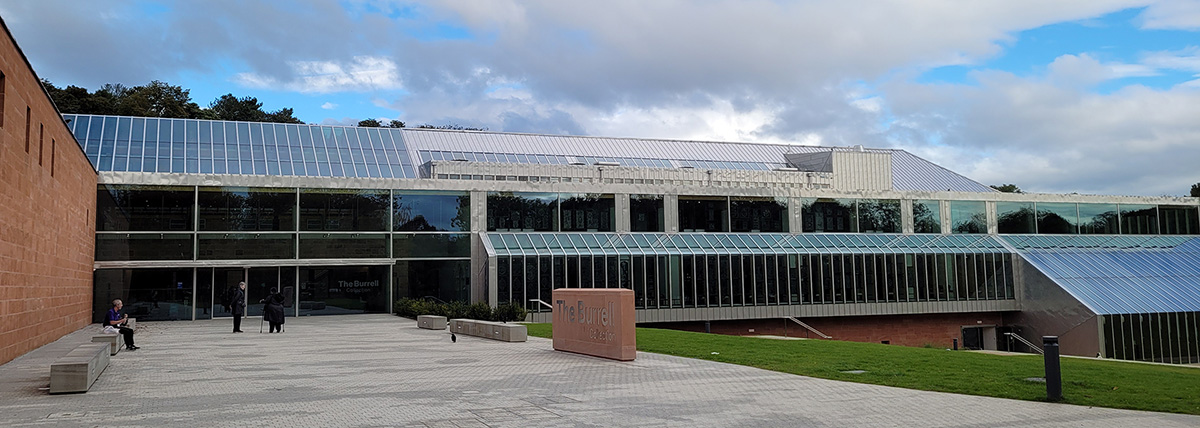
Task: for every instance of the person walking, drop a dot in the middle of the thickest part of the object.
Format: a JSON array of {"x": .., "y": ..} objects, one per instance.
[
  {"x": 273, "y": 311},
  {"x": 118, "y": 321},
  {"x": 239, "y": 306}
]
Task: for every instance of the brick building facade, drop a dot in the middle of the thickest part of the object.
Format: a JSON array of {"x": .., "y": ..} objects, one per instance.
[{"x": 47, "y": 214}]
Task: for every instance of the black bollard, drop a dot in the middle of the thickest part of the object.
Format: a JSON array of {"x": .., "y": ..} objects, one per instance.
[
  {"x": 708, "y": 327},
  {"x": 1053, "y": 374},
  {"x": 956, "y": 344}
]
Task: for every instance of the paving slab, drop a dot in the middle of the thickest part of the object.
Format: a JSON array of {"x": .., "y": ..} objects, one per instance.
[{"x": 383, "y": 371}]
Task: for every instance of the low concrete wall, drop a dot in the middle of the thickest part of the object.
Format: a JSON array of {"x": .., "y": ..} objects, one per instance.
[
  {"x": 431, "y": 322},
  {"x": 597, "y": 322},
  {"x": 487, "y": 329}
]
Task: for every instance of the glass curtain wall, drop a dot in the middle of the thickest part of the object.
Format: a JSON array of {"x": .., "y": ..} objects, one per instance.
[
  {"x": 587, "y": 212},
  {"x": 1172, "y": 337},
  {"x": 1179, "y": 220},
  {"x": 1139, "y": 219},
  {"x": 879, "y": 216},
  {"x": 434, "y": 254},
  {"x": 1098, "y": 219},
  {"x": 530, "y": 212},
  {"x": 695, "y": 281}
]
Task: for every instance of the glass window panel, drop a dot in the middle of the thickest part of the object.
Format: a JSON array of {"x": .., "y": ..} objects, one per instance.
[
  {"x": 1179, "y": 220},
  {"x": 879, "y": 216},
  {"x": 246, "y": 208},
  {"x": 927, "y": 216},
  {"x": 750, "y": 214},
  {"x": 246, "y": 246},
  {"x": 1015, "y": 217},
  {"x": 703, "y": 214},
  {"x": 344, "y": 209},
  {"x": 1057, "y": 218},
  {"x": 447, "y": 280},
  {"x": 828, "y": 215},
  {"x": 1098, "y": 219},
  {"x": 431, "y": 211},
  {"x": 343, "y": 290},
  {"x": 426, "y": 245},
  {"x": 646, "y": 213},
  {"x": 1139, "y": 219},
  {"x": 344, "y": 245},
  {"x": 148, "y": 294},
  {"x": 968, "y": 217},
  {"x": 149, "y": 208},
  {"x": 143, "y": 246},
  {"x": 532, "y": 212},
  {"x": 587, "y": 212}
]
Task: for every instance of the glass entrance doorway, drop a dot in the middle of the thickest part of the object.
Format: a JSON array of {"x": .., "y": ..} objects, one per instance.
[{"x": 259, "y": 283}]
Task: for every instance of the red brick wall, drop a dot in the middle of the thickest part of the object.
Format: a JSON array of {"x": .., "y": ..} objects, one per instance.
[
  {"x": 938, "y": 330},
  {"x": 47, "y": 221}
]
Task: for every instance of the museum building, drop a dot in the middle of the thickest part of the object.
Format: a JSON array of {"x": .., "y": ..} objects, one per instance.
[{"x": 846, "y": 243}]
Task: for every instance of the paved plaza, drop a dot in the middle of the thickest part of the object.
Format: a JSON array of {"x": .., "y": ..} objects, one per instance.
[{"x": 380, "y": 370}]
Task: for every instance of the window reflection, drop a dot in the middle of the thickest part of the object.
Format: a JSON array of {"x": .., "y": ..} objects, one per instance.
[
  {"x": 1138, "y": 219},
  {"x": 879, "y": 216},
  {"x": 829, "y": 215},
  {"x": 968, "y": 217},
  {"x": 750, "y": 214},
  {"x": 531, "y": 212},
  {"x": 927, "y": 216},
  {"x": 146, "y": 208},
  {"x": 1179, "y": 220},
  {"x": 1098, "y": 219},
  {"x": 431, "y": 211},
  {"x": 344, "y": 209},
  {"x": 587, "y": 212},
  {"x": 1062, "y": 218},
  {"x": 242, "y": 208},
  {"x": 1014, "y": 217}
]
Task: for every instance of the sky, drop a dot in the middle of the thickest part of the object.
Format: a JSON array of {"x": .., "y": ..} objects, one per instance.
[{"x": 1090, "y": 97}]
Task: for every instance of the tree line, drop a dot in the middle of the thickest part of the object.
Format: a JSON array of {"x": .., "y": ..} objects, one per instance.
[{"x": 161, "y": 99}]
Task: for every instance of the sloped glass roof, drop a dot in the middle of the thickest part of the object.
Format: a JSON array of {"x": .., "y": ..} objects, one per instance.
[
  {"x": 1119, "y": 274},
  {"x": 148, "y": 144},
  {"x": 593, "y": 243},
  {"x": 141, "y": 144}
]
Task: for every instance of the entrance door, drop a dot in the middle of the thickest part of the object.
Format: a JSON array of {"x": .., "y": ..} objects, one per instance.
[
  {"x": 972, "y": 337},
  {"x": 259, "y": 284},
  {"x": 225, "y": 280}
]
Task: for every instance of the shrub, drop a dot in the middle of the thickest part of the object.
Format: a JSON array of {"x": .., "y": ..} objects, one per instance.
[
  {"x": 509, "y": 312},
  {"x": 479, "y": 311},
  {"x": 456, "y": 309},
  {"x": 405, "y": 307}
]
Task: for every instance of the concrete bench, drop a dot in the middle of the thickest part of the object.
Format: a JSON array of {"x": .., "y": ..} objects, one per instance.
[
  {"x": 76, "y": 371},
  {"x": 431, "y": 322},
  {"x": 489, "y": 329},
  {"x": 117, "y": 341}
]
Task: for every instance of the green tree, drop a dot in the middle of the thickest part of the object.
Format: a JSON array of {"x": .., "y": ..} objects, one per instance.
[
  {"x": 1196, "y": 190},
  {"x": 156, "y": 99},
  {"x": 369, "y": 123},
  {"x": 1008, "y": 188},
  {"x": 229, "y": 107},
  {"x": 283, "y": 115},
  {"x": 395, "y": 124}
]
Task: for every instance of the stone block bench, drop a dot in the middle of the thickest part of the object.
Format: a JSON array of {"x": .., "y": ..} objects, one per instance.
[
  {"x": 117, "y": 341},
  {"x": 489, "y": 329},
  {"x": 76, "y": 371},
  {"x": 431, "y": 322}
]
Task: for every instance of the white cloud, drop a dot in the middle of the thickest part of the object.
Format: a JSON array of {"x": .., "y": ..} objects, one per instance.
[
  {"x": 329, "y": 106},
  {"x": 1172, "y": 15},
  {"x": 361, "y": 74},
  {"x": 1082, "y": 69}
]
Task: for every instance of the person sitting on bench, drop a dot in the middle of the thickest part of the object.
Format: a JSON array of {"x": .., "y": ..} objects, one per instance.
[{"x": 117, "y": 320}]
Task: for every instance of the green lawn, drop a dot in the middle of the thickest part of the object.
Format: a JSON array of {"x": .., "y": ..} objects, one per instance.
[{"x": 1085, "y": 382}]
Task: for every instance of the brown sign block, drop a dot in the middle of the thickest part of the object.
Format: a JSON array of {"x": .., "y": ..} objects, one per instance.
[{"x": 598, "y": 322}]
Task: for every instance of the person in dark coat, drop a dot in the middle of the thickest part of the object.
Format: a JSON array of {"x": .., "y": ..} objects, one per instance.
[
  {"x": 273, "y": 311},
  {"x": 239, "y": 306}
]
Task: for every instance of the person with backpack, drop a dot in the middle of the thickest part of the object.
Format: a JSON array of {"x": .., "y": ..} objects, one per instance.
[
  {"x": 238, "y": 305},
  {"x": 273, "y": 311}
]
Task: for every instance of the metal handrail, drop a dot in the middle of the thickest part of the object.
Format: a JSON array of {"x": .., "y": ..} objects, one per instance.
[
  {"x": 542, "y": 303},
  {"x": 809, "y": 327},
  {"x": 1026, "y": 342}
]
